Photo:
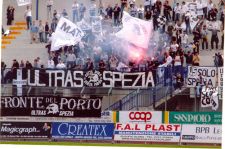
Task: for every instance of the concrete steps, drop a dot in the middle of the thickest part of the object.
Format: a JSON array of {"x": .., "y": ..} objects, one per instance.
[
  {"x": 15, "y": 31},
  {"x": 17, "y": 46}
]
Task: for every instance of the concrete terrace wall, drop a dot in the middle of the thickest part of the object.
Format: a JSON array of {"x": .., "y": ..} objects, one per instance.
[{"x": 59, "y": 5}]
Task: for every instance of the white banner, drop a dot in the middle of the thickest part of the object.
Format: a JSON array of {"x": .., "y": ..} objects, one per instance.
[
  {"x": 66, "y": 34},
  {"x": 154, "y": 117},
  {"x": 135, "y": 31},
  {"x": 211, "y": 25},
  {"x": 201, "y": 133},
  {"x": 23, "y": 2},
  {"x": 83, "y": 25},
  {"x": 97, "y": 25},
  {"x": 147, "y": 132},
  {"x": 106, "y": 117},
  {"x": 208, "y": 74},
  {"x": 209, "y": 97},
  {"x": 220, "y": 82}
]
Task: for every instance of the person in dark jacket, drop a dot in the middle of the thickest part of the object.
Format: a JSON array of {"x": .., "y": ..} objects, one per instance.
[
  {"x": 116, "y": 12},
  {"x": 46, "y": 32},
  {"x": 10, "y": 15}
]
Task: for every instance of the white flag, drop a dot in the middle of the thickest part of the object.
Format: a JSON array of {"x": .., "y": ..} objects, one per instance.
[
  {"x": 23, "y": 2},
  {"x": 97, "y": 25},
  {"x": 66, "y": 34},
  {"x": 83, "y": 25},
  {"x": 135, "y": 31},
  {"x": 209, "y": 97}
]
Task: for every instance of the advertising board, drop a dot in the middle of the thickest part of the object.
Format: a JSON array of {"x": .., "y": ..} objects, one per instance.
[{"x": 147, "y": 132}]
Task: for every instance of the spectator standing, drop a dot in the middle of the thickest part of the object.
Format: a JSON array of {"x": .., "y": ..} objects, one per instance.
[
  {"x": 204, "y": 8},
  {"x": 33, "y": 32},
  {"x": 195, "y": 59},
  {"x": 28, "y": 65},
  {"x": 133, "y": 11},
  {"x": 155, "y": 17},
  {"x": 82, "y": 10},
  {"x": 213, "y": 13},
  {"x": 209, "y": 7},
  {"x": 55, "y": 15},
  {"x": 148, "y": 14},
  {"x": 177, "y": 63},
  {"x": 113, "y": 62},
  {"x": 65, "y": 14},
  {"x": 214, "y": 38},
  {"x": 197, "y": 37},
  {"x": 140, "y": 12},
  {"x": 183, "y": 10},
  {"x": 28, "y": 17},
  {"x": 109, "y": 12},
  {"x": 36, "y": 65},
  {"x": 177, "y": 10},
  {"x": 116, "y": 12},
  {"x": 102, "y": 66},
  {"x": 75, "y": 9},
  {"x": 46, "y": 32},
  {"x": 221, "y": 7},
  {"x": 184, "y": 40},
  {"x": 189, "y": 60},
  {"x": 158, "y": 6},
  {"x": 89, "y": 65},
  {"x": 147, "y": 4},
  {"x": 123, "y": 4},
  {"x": 10, "y": 15},
  {"x": 131, "y": 3},
  {"x": 179, "y": 81},
  {"x": 71, "y": 58},
  {"x": 3, "y": 67},
  {"x": 204, "y": 34},
  {"x": 51, "y": 64},
  {"x": 166, "y": 10},
  {"x": 222, "y": 38},
  {"x": 22, "y": 64},
  {"x": 187, "y": 22},
  {"x": 174, "y": 5},
  {"x": 60, "y": 65},
  {"x": 49, "y": 4},
  {"x": 53, "y": 25},
  {"x": 41, "y": 31}
]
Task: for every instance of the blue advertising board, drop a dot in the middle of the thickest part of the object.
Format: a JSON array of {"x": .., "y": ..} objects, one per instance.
[{"x": 87, "y": 131}]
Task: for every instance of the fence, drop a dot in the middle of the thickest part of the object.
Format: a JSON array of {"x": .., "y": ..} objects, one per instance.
[{"x": 163, "y": 89}]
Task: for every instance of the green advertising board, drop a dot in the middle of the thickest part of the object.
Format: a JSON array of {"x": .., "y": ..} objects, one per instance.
[{"x": 195, "y": 118}]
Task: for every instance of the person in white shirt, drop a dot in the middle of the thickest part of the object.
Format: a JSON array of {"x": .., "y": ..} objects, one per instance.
[
  {"x": 167, "y": 67},
  {"x": 71, "y": 58},
  {"x": 75, "y": 9},
  {"x": 177, "y": 10},
  {"x": 28, "y": 17},
  {"x": 141, "y": 12},
  {"x": 60, "y": 65},
  {"x": 113, "y": 62},
  {"x": 51, "y": 64},
  {"x": 177, "y": 63},
  {"x": 183, "y": 10},
  {"x": 41, "y": 31},
  {"x": 168, "y": 61},
  {"x": 49, "y": 4},
  {"x": 184, "y": 39}
]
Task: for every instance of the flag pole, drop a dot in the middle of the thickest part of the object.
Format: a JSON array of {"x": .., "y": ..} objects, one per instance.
[{"x": 37, "y": 7}]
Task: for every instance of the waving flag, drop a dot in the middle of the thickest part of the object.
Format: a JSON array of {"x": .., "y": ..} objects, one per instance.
[
  {"x": 135, "y": 31},
  {"x": 66, "y": 34},
  {"x": 23, "y": 2}
]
